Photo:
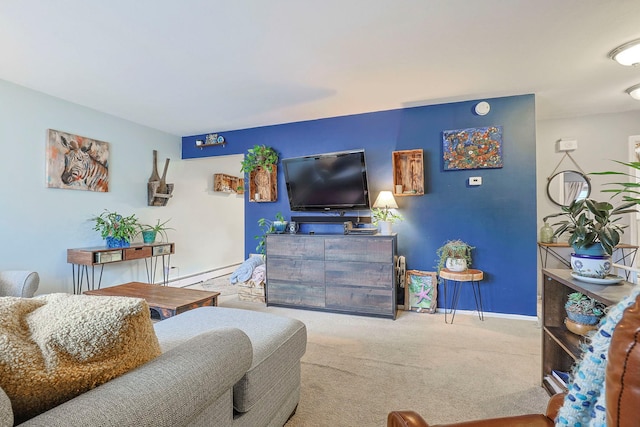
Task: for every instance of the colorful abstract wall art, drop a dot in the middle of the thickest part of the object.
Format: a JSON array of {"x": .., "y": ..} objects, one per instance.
[
  {"x": 77, "y": 163},
  {"x": 474, "y": 148}
]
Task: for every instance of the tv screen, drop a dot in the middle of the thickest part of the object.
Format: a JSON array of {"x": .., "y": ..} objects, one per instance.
[{"x": 330, "y": 181}]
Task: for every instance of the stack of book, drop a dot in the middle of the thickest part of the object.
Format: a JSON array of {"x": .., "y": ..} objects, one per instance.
[{"x": 557, "y": 381}]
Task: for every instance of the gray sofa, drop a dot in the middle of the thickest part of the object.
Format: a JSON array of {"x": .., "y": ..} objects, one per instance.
[
  {"x": 219, "y": 367},
  {"x": 18, "y": 283}
]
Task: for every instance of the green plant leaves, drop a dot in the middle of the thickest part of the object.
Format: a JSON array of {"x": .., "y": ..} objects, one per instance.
[{"x": 590, "y": 222}]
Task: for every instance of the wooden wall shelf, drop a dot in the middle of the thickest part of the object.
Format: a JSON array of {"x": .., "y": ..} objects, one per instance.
[
  {"x": 408, "y": 171},
  {"x": 228, "y": 183},
  {"x": 158, "y": 199},
  {"x": 263, "y": 185},
  {"x": 201, "y": 146}
]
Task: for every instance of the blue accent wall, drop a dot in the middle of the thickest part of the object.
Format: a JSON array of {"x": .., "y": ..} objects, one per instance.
[{"x": 498, "y": 218}]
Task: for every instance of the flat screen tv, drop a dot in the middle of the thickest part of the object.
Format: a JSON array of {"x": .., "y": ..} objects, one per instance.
[{"x": 330, "y": 181}]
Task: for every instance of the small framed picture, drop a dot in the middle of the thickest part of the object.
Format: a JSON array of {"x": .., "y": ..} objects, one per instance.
[{"x": 422, "y": 287}]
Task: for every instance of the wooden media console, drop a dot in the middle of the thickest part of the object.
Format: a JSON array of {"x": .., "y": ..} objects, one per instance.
[{"x": 332, "y": 272}]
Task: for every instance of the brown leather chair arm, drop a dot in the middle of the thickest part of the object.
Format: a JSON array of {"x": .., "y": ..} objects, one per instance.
[
  {"x": 555, "y": 403},
  {"x": 623, "y": 370},
  {"x": 405, "y": 419},
  {"x": 412, "y": 419}
]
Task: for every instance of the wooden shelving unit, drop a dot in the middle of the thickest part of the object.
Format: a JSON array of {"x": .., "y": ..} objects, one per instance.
[
  {"x": 560, "y": 347},
  {"x": 408, "y": 171}
]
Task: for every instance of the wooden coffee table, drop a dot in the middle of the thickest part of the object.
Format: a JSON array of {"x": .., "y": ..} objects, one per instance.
[{"x": 164, "y": 300}]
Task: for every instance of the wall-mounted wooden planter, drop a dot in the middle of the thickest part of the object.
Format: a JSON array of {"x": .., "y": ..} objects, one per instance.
[
  {"x": 228, "y": 183},
  {"x": 263, "y": 185},
  {"x": 408, "y": 171},
  {"x": 158, "y": 199}
]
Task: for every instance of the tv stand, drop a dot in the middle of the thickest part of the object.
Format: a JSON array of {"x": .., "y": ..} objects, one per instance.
[
  {"x": 352, "y": 274},
  {"x": 331, "y": 219}
]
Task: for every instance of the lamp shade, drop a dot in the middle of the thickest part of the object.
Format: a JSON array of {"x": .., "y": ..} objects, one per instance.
[
  {"x": 634, "y": 91},
  {"x": 627, "y": 54},
  {"x": 385, "y": 200}
]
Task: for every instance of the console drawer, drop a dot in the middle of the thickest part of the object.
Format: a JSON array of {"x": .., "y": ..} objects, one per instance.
[
  {"x": 108, "y": 256},
  {"x": 361, "y": 249},
  {"x": 137, "y": 252},
  {"x": 295, "y": 270},
  {"x": 295, "y": 294},
  {"x": 295, "y": 246}
]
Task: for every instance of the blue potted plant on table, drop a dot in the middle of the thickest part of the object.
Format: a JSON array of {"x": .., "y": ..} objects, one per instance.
[{"x": 117, "y": 230}]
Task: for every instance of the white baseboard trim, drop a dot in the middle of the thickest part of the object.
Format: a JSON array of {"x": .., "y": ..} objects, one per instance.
[
  {"x": 192, "y": 279},
  {"x": 492, "y": 314}
]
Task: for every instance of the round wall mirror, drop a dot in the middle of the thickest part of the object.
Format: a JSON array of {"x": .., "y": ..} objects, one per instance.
[{"x": 567, "y": 186}]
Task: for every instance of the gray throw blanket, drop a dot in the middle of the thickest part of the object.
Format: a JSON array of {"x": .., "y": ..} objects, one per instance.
[{"x": 244, "y": 272}]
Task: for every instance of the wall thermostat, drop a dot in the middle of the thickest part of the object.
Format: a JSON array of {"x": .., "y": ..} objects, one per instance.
[{"x": 482, "y": 108}]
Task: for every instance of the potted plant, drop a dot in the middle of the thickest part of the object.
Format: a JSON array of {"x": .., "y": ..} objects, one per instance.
[
  {"x": 583, "y": 313},
  {"x": 117, "y": 230},
  {"x": 385, "y": 217},
  {"x": 455, "y": 255},
  {"x": 150, "y": 232},
  {"x": 259, "y": 156},
  {"x": 269, "y": 226},
  {"x": 594, "y": 233}
]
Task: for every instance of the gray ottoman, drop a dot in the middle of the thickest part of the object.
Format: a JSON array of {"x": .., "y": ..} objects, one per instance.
[{"x": 270, "y": 390}]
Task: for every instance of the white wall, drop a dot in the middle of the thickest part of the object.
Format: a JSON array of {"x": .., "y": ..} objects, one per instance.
[
  {"x": 38, "y": 224},
  {"x": 601, "y": 139}
]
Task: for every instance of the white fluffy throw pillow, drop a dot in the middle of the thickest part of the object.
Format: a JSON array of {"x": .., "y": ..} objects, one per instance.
[{"x": 55, "y": 347}]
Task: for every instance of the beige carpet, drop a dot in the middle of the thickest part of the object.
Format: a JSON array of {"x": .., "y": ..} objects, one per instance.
[
  {"x": 219, "y": 284},
  {"x": 357, "y": 369}
]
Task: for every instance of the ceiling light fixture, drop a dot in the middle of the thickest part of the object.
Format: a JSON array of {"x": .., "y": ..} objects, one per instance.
[
  {"x": 627, "y": 54},
  {"x": 634, "y": 91}
]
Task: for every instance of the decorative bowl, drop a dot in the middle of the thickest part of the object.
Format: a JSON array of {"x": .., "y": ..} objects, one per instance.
[
  {"x": 579, "y": 328},
  {"x": 585, "y": 319}
]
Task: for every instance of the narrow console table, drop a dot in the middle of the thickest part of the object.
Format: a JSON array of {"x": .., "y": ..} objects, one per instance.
[
  {"x": 331, "y": 272},
  {"x": 83, "y": 258}
]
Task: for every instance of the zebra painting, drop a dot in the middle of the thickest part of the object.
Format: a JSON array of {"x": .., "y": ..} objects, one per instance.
[{"x": 76, "y": 162}]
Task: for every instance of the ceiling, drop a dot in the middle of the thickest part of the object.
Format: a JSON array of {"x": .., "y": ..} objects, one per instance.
[{"x": 196, "y": 66}]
